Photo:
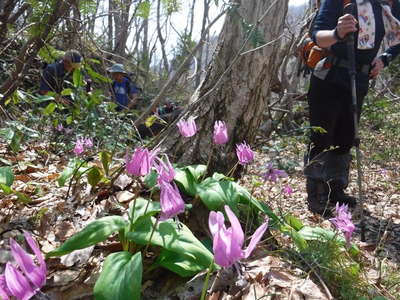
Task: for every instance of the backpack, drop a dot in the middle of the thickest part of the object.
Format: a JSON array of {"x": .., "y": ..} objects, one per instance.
[{"x": 309, "y": 52}]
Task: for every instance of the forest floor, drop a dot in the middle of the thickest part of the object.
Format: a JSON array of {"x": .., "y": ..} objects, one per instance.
[{"x": 54, "y": 215}]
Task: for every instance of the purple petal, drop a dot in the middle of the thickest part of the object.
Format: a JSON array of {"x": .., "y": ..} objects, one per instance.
[
  {"x": 25, "y": 262},
  {"x": 215, "y": 221},
  {"x": 171, "y": 201},
  {"x": 42, "y": 264},
  {"x": 237, "y": 234},
  {"x": 17, "y": 283},
  {"x": 221, "y": 247},
  {"x": 255, "y": 239},
  {"x": 4, "y": 292}
]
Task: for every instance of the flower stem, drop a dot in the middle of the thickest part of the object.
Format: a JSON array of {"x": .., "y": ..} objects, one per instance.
[
  {"x": 205, "y": 286},
  {"x": 232, "y": 170},
  {"x": 151, "y": 235}
]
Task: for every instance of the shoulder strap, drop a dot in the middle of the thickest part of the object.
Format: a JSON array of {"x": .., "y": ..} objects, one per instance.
[{"x": 345, "y": 2}]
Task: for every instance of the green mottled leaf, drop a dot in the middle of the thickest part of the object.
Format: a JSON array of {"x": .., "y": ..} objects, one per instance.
[
  {"x": 96, "y": 232},
  {"x": 121, "y": 277}
]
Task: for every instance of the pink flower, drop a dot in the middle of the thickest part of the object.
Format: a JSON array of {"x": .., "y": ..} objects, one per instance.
[
  {"x": 88, "y": 143},
  {"x": 171, "y": 201},
  {"x": 60, "y": 127},
  {"x": 79, "y": 146},
  {"x": 287, "y": 190},
  {"x": 187, "y": 128},
  {"x": 165, "y": 170},
  {"x": 228, "y": 242},
  {"x": 244, "y": 153},
  {"x": 220, "y": 133},
  {"x": 140, "y": 162},
  {"x": 343, "y": 222},
  {"x": 23, "y": 285},
  {"x": 273, "y": 174}
]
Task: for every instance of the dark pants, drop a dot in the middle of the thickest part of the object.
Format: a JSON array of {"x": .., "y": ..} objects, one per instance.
[{"x": 331, "y": 108}]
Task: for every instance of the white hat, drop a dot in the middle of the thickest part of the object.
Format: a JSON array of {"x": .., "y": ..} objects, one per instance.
[{"x": 117, "y": 68}]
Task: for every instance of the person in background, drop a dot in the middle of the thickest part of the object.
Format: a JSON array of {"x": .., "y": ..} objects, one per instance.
[
  {"x": 327, "y": 162},
  {"x": 124, "y": 91},
  {"x": 53, "y": 76}
]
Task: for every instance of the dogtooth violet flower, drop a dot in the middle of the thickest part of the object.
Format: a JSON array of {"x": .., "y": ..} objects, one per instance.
[
  {"x": 220, "y": 133},
  {"x": 79, "y": 146},
  {"x": 171, "y": 201},
  {"x": 244, "y": 153},
  {"x": 23, "y": 285},
  {"x": 141, "y": 161},
  {"x": 287, "y": 190},
  {"x": 88, "y": 142},
  {"x": 273, "y": 174},
  {"x": 228, "y": 242},
  {"x": 187, "y": 128},
  {"x": 343, "y": 222},
  {"x": 165, "y": 170}
]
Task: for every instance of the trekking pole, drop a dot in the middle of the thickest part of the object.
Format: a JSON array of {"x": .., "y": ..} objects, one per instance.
[{"x": 349, "y": 9}]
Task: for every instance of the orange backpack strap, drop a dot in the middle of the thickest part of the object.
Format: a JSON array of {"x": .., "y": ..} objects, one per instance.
[{"x": 345, "y": 2}]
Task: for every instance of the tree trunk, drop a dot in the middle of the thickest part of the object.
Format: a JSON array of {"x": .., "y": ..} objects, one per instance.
[
  {"x": 110, "y": 36},
  {"x": 200, "y": 53},
  {"x": 236, "y": 88}
]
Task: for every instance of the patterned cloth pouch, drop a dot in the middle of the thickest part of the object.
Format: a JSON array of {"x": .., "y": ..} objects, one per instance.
[{"x": 366, "y": 21}]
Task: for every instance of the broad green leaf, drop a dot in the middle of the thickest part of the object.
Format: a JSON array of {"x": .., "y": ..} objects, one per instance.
[
  {"x": 300, "y": 242},
  {"x": 15, "y": 144},
  {"x": 197, "y": 171},
  {"x": 317, "y": 233},
  {"x": 7, "y": 134},
  {"x": 43, "y": 98},
  {"x": 96, "y": 76},
  {"x": 168, "y": 236},
  {"x": 179, "y": 263},
  {"x": 69, "y": 171},
  {"x": 294, "y": 222},
  {"x": 121, "y": 277},
  {"x": 6, "y": 176},
  {"x": 216, "y": 194},
  {"x": 141, "y": 207},
  {"x": 65, "y": 175},
  {"x": 96, "y": 232},
  {"x": 49, "y": 108},
  {"x": 94, "y": 176},
  {"x": 69, "y": 120},
  {"x": 66, "y": 92},
  {"x": 186, "y": 182},
  {"x": 6, "y": 189},
  {"x": 105, "y": 158},
  {"x": 77, "y": 78},
  {"x": 151, "y": 179}
]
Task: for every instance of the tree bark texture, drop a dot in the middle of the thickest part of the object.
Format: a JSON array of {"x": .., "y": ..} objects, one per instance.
[{"x": 236, "y": 88}]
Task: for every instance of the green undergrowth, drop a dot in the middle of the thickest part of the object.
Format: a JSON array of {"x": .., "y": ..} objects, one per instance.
[{"x": 329, "y": 264}]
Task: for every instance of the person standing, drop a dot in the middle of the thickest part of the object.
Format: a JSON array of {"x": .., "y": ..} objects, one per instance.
[
  {"x": 327, "y": 161},
  {"x": 124, "y": 91}
]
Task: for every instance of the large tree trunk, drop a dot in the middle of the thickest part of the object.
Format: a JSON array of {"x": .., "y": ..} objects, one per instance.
[{"x": 237, "y": 86}]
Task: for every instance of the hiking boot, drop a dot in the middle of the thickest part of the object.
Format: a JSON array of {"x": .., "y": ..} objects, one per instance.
[
  {"x": 339, "y": 196},
  {"x": 318, "y": 197}
]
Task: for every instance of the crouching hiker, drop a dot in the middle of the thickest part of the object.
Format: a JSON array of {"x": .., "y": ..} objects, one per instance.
[
  {"x": 327, "y": 162},
  {"x": 123, "y": 90},
  {"x": 53, "y": 76}
]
